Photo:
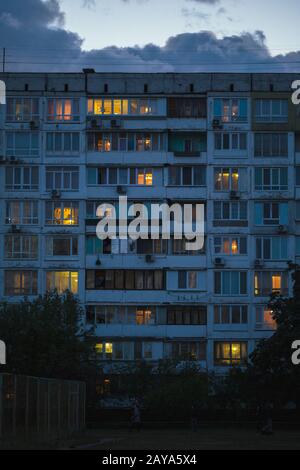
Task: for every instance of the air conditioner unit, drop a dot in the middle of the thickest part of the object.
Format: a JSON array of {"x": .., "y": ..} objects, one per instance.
[
  {"x": 116, "y": 123},
  {"x": 121, "y": 190},
  {"x": 219, "y": 262},
  {"x": 234, "y": 195},
  {"x": 283, "y": 229},
  {"x": 15, "y": 228},
  {"x": 149, "y": 258},
  {"x": 55, "y": 194}
]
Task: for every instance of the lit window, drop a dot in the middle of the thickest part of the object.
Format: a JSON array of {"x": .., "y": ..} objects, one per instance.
[
  {"x": 143, "y": 317},
  {"x": 276, "y": 282},
  {"x": 107, "y": 107},
  {"x": 149, "y": 179},
  {"x": 228, "y": 354},
  {"x": 62, "y": 281},
  {"x": 234, "y": 247}
]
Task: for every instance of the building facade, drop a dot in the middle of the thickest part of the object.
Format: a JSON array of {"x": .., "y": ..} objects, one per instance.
[{"x": 70, "y": 142}]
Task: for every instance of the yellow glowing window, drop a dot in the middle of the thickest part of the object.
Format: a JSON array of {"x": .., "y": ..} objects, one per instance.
[
  {"x": 59, "y": 109},
  {"x": 226, "y": 246},
  {"x": 143, "y": 317},
  {"x": 235, "y": 181},
  {"x": 225, "y": 180},
  {"x": 148, "y": 143},
  {"x": 256, "y": 284},
  {"x": 234, "y": 247},
  {"x": 107, "y": 107},
  {"x": 236, "y": 351},
  {"x": 108, "y": 348},
  {"x": 125, "y": 106},
  {"x": 69, "y": 216},
  {"x": 149, "y": 179},
  {"x": 276, "y": 282},
  {"x": 107, "y": 145},
  {"x": 268, "y": 319},
  {"x": 74, "y": 282},
  {"x": 141, "y": 178},
  {"x": 90, "y": 106},
  {"x": 97, "y": 107},
  {"x": 99, "y": 348},
  {"x": 117, "y": 107},
  {"x": 68, "y": 110}
]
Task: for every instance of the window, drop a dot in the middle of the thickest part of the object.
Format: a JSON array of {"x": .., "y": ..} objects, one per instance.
[
  {"x": 22, "y": 109},
  {"x": 230, "y": 245},
  {"x": 231, "y": 110},
  {"x": 185, "y": 315},
  {"x": 144, "y": 316},
  {"x": 230, "y": 314},
  {"x": 179, "y": 248},
  {"x": 227, "y": 179},
  {"x": 187, "y": 176},
  {"x": 186, "y": 350},
  {"x": 19, "y": 283},
  {"x": 125, "y": 142},
  {"x": 264, "y": 319},
  {"x": 119, "y": 106},
  {"x": 61, "y": 246},
  {"x": 21, "y": 212},
  {"x": 271, "y": 110},
  {"x": 155, "y": 247},
  {"x": 270, "y": 282},
  {"x": 272, "y": 248},
  {"x": 125, "y": 280},
  {"x": 61, "y": 213},
  {"x": 95, "y": 246},
  {"x": 271, "y": 179},
  {"x": 22, "y": 144},
  {"x": 119, "y": 176},
  {"x": 65, "y": 178},
  {"x": 62, "y": 281},
  {"x": 270, "y": 145},
  {"x": 230, "y": 283},
  {"x": 230, "y": 353},
  {"x": 62, "y": 143},
  {"x": 230, "y": 141},
  {"x": 187, "y": 107},
  {"x": 230, "y": 210},
  {"x": 59, "y": 109},
  {"x": 111, "y": 314},
  {"x": 271, "y": 213},
  {"x": 124, "y": 351},
  {"x": 21, "y": 178},
  {"x": 21, "y": 247},
  {"x": 187, "y": 279},
  {"x": 187, "y": 144}
]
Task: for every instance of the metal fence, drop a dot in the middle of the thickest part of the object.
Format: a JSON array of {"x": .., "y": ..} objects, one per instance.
[{"x": 41, "y": 409}]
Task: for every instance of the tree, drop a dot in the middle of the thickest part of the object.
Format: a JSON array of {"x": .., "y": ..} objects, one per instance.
[
  {"x": 47, "y": 338},
  {"x": 270, "y": 374}
]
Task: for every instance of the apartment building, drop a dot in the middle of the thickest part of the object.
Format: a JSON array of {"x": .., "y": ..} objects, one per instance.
[{"x": 70, "y": 142}]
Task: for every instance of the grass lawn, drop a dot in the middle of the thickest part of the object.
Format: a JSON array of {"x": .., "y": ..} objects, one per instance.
[{"x": 177, "y": 439}]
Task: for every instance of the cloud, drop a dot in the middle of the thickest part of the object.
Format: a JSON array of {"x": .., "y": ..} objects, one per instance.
[{"x": 37, "y": 40}]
